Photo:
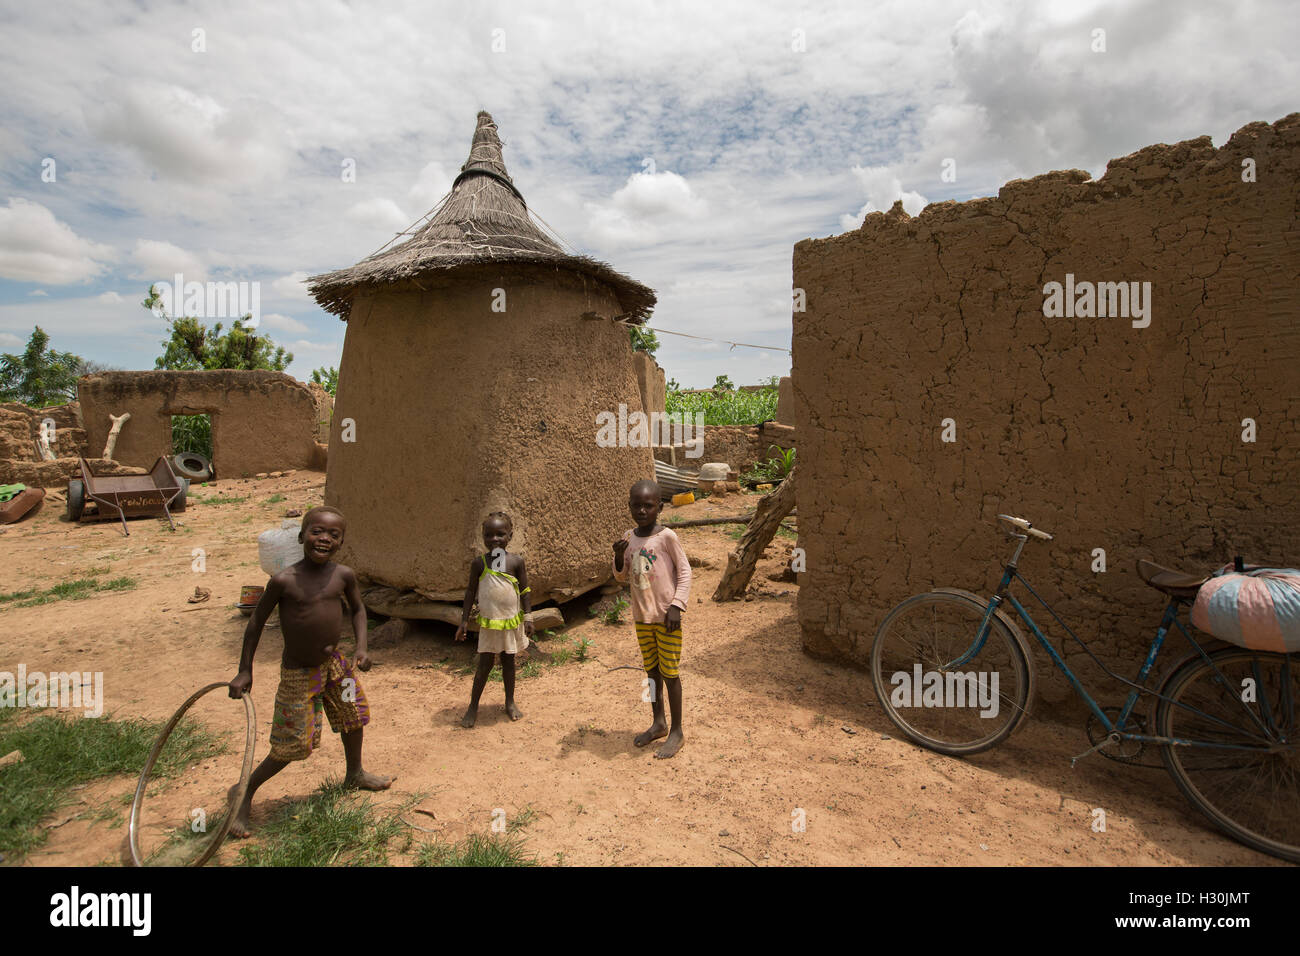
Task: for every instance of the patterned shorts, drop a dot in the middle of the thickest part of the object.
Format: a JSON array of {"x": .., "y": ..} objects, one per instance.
[
  {"x": 660, "y": 647},
  {"x": 304, "y": 692}
]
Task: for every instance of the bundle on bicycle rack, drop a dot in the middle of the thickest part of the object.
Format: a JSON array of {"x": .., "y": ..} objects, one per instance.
[{"x": 1258, "y": 609}]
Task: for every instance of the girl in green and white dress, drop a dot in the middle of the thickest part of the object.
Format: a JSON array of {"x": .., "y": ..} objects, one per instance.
[{"x": 498, "y": 583}]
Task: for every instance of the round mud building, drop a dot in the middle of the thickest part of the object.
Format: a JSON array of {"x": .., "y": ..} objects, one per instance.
[{"x": 477, "y": 357}]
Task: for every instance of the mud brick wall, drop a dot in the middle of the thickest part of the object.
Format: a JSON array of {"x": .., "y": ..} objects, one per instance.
[
  {"x": 20, "y": 426},
  {"x": 261, "y": 421},
  {"x": 649, "y": 382},
  {"x": 1109, "y": 436}
]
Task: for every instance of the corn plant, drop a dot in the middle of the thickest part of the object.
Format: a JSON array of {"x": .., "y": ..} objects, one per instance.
[{"x": 725, "y": 407}]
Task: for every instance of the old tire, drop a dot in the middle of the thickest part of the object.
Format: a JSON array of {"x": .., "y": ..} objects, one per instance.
[
  {"x": 76, "y": 499},
  {"x": 192, "y": 465}
]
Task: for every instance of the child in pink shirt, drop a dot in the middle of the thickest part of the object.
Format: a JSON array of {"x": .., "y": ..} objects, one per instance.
[{"x": 660, "y": 577}]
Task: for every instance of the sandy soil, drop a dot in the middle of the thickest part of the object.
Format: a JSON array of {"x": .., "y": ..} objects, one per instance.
[{"x": 770, "y": 732}]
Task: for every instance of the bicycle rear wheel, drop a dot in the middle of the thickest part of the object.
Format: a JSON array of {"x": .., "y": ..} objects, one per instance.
[
  {"x": 1249, "y": 785},
  {"x": 952, "y": 708}
]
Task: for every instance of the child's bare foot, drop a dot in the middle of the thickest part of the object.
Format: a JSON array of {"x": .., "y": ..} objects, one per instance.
[
  {"x": 514, "y": 712},
  {"x": 239, "y": 825},
  {"x": 470, "y": 717},
  {"x": 671, "y": 745},
  {"x": 657, "y": 729},
  {"x": 363, "y": 780}
]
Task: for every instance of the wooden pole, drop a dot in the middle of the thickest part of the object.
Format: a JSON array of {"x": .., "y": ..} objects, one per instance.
[
  {"x": 767, "y": 518},
  {"x": 118, "y": 422}
]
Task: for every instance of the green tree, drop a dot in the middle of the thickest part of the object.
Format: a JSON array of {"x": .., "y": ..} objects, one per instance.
[
  {"x": 40, "y": 376},
  {"x": 723, "y": 384},
  {"x": 643, "y": 340},
  {"x": 328, "y": 377},
  {"x": 191, "y": 346},
  {"x": 673, "y": 385}
]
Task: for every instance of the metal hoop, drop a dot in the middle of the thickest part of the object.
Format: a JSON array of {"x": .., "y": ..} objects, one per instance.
[{"x": 251, "y": 718}]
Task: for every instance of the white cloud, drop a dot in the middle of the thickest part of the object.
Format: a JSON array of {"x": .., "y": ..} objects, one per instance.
[
  {"x": 291, "y": 287},
  {"x": 432, "y": 184},
  {"x": 10, "y": 341},
  {"x": 37, "y": 247},
  {"x": 882, "y": 189},
  {"x": 649, "y": 205},
  {"x": 38, "y": 292},
  {"x": 380, "y": 214},
  {"x": 283, "y": 323},
  {"x": 190, "y": 136},
  {"x": 156, "y": 260}
]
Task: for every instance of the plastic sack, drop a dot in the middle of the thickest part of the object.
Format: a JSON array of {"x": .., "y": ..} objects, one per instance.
[
  {"x": 279, "y": 547},
  {"x": 1257, "y": 609}
]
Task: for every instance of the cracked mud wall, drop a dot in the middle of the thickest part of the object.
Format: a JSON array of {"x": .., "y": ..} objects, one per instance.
[
  {"x": 460, "y": 411},
  {"x": 1109, "y": 436}
]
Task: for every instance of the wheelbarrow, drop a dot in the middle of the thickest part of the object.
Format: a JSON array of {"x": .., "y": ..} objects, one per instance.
[{"x": 122, "y": 496}]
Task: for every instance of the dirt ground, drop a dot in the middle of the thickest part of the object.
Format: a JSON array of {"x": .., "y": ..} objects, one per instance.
[{"x": 771, "y": 734}]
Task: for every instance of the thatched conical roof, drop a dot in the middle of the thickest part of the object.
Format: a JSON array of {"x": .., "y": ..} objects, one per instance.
[{"x": 482, "y": 222}]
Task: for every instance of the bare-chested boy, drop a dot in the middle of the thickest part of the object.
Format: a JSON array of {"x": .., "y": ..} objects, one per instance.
[{"x": 314, "y": 676}]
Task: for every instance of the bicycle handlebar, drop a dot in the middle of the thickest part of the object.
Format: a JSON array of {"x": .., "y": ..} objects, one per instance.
[{"x": 1026, "y": 526}]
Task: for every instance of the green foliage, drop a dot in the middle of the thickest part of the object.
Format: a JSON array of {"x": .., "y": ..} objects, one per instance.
[
  {"x": 615, "y": 614},
  {"x": 643, "y": 340},
  {"x": 192, "y": 433},
  {"x": 723, "y": 384},
  {"x": 773, "y": 468},
  {"x": 191, "y": 346},
  {"x": 40, "y": 376},
  {"x": 673, "y": 385},
  {"x": 328, "y": 377},
  {"x": 60, "y": 753},
  {"x": 725, "y": 408},
  {"x": 784, "y": 458}
]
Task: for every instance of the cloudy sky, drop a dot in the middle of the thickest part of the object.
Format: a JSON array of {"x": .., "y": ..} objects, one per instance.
[{"x": 690, "y": 145}]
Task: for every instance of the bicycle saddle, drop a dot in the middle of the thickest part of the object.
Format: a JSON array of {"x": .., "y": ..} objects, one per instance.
[{"x": 1174, "y": 583}]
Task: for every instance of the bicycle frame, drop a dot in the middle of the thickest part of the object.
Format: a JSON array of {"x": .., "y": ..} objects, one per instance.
[{"x": 1011, "y": 573}]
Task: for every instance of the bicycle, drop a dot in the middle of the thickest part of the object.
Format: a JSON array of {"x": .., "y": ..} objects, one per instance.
[{"x": 1225, "y": 716}]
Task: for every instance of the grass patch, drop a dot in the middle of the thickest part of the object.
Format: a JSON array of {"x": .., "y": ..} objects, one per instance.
[
  {"x": 275, "y": 499},
  {"x": 60, "y": 753},
  {"x": 220, "y": 499},
  {"x": 578, "y": 652},
  {"x": 522, "y": 671},
  {"x": 74, "y": 590},
  {"x": 332, "y": 827},
  {"x": 475, "y": 850},
  {"x": 505, "y": 849}
]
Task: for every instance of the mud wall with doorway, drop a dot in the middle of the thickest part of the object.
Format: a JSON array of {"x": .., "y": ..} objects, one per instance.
[
  {"x": 1177, "y": 441},
  {"x": 261, "y": 421}
]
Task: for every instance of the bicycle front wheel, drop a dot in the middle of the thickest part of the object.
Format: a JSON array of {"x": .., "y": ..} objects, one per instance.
[
  {"x": 1239, "y": 760},
  {"x": 928, "y": 688}
]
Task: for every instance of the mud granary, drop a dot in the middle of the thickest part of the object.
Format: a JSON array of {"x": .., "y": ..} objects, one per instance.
[{"x": 476, "y": 359}]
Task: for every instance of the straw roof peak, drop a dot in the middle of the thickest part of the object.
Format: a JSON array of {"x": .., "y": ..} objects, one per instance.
[
  {"x": 485, "y": 149},
  {"x": 484, "y": 220}
]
